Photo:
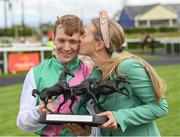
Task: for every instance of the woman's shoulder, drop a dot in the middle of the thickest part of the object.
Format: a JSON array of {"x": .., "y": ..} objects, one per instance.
[{"x": 128, "y": 65}]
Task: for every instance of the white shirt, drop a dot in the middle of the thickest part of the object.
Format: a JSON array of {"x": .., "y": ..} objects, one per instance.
[{"x": 28, "y": 114}]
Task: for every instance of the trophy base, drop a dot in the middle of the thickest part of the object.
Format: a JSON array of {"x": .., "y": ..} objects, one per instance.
[{"x": 54, "y": 119}]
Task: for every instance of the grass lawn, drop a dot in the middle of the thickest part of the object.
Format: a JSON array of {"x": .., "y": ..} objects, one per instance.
[
  {"x": 154, "y": 35},
  {"x": 145, "y": 55},
  {"x": 9, "y": 101},
  {"x": 168, "y": 125},
  {"x": 12, "y": 75}
]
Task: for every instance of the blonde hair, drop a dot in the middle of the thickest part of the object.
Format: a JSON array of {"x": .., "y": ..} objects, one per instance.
[{"x": 109, "y": 67}]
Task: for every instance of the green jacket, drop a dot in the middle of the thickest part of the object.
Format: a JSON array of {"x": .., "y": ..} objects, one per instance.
[{"x": 136, "y": 114}]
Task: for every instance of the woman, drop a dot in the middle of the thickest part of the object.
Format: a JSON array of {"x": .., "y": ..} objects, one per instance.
[{"x": 102, "y": 41}]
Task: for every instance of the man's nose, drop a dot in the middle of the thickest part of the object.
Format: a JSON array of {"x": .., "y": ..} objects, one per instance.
[
  {"x": 80, "y": 39},
  {"x": 66, "y": 45}
]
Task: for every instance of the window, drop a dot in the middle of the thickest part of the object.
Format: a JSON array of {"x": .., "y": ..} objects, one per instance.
[{"x": 159, "y": 22}]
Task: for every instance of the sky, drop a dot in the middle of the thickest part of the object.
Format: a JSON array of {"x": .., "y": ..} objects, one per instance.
[{"x": 44, "y": 11}]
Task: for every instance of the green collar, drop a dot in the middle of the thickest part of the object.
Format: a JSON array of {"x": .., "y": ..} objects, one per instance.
[{"x": 72, "y": 65}]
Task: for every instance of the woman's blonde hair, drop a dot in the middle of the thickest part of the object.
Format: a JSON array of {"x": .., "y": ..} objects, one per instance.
[{"x": 109, "y": 67}]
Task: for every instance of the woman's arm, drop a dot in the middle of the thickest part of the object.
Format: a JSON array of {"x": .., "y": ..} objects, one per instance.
[{"x": 141, "y": 86}]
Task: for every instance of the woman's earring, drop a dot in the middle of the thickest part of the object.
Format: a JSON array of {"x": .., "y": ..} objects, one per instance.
[{"x": 99, "y": 46}]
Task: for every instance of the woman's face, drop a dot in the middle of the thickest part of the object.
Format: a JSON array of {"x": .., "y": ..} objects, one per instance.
[{"x": 88, "y": 42}]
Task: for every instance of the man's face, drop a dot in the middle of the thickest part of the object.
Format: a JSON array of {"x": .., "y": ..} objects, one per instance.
[{"x": 67, "y": 47}]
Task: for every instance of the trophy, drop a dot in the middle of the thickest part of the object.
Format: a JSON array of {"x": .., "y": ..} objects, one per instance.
[{"x": 91, "y": 87}]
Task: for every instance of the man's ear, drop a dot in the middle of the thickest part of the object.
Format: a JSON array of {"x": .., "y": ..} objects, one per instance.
[
  {"x": 53, "y": 37},
  {"x": 99, "y": 46}
]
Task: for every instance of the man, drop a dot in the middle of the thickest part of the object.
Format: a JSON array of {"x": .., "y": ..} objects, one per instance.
[{"x": 67, "y": 32}]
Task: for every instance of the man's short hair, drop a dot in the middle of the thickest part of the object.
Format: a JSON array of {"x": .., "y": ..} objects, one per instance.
[{"x": 71, "y": 24}]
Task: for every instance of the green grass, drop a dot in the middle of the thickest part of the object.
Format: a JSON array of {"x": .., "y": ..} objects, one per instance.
[
  {"x": 168, "y": 125},
  {"x": 9, "y": 101},
  {"x": 154, "y": 35},
  {"x": 12, "y": 75},
  {"x": 149, "y": 56},
  {"x": 145, "y": 55}
]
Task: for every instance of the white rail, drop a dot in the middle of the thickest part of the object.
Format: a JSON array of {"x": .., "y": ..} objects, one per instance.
[{"x": 22, "y": 48}]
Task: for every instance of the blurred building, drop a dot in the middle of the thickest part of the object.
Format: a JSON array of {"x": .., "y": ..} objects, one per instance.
[{"x": 150, "y": 15}]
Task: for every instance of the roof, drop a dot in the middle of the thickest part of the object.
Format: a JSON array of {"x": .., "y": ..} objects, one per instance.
[
  {"x": 158, "y": 12},
  {"x": 136, "y": 10},
  {"x": 133, "y": 11},
  {"x": 176, "y": 8}
]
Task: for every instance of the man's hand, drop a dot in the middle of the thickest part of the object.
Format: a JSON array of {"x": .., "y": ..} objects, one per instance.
[
  {"x": 111, "y": 123},
  {"x": 78, "y": 129},
  {"x": 43, "y": 110}
]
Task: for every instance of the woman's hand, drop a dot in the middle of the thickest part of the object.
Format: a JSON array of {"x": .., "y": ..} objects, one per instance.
[
  {"x": 111, "y": 123},
  {"x": 78, "y": 130}
]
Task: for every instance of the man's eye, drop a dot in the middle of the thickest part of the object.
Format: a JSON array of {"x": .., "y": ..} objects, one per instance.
[
  {"x": 61, "y": 40},
  {"x": 83, "y": 35},
  {"x": 82, "y": 32},
  {"x": 74, "y": 41}
]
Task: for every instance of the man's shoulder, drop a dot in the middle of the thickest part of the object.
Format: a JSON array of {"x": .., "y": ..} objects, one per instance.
[
  {"x": 86, "y": 68},
  {"x": 43, "y": 65},
  {"x": 85, "y": 64},
  {"x": 45, "y": 62}
]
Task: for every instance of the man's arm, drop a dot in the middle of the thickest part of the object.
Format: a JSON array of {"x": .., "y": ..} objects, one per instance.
[{"x": 28, "y": 113}]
